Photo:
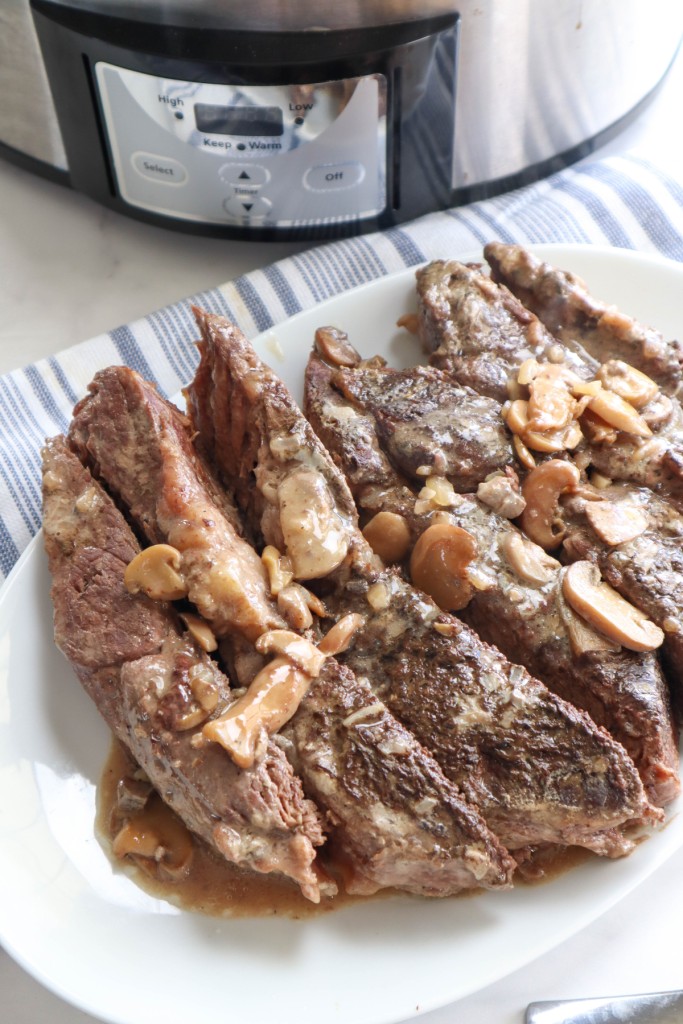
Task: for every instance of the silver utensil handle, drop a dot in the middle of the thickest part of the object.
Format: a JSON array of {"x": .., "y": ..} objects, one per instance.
[{"x": 652, "y": 1008}]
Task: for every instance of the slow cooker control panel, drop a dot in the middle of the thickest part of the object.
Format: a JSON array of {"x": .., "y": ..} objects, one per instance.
[{"x": 249, "y": 155}]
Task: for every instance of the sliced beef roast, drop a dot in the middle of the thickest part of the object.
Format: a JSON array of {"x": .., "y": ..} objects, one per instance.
[
  {"x": 140, "y": 445},
  {"x": 517, "y": 604},
  {"x": 393, "y": 817},
  {"x": 499, "y": 734},
  {"x": 138, "y": 666},
  {"x": 481, "y": 334},
  {"x": 225, "y": 575},
  {"x": 561, "y": 300},
  {"x": 427, "y": 422}
]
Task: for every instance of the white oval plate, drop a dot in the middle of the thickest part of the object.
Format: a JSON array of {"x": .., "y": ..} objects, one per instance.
[{"x": 90, "y": 935}]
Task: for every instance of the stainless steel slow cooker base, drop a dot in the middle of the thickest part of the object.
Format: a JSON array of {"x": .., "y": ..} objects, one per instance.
[{"x": 246, "y": 122}]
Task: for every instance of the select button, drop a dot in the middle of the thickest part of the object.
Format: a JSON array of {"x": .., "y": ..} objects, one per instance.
[{"x": 159, "y": 168}]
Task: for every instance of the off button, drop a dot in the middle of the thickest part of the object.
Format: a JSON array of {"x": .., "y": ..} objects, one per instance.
[
  {"x": 159, "y": 168},
  {"x": 330, "y": 177}
]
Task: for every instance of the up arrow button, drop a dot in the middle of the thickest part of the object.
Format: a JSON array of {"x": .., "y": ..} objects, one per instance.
[{"x": 255, "y": 174}]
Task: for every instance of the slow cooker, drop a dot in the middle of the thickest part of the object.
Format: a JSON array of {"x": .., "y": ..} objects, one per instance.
[{"x": 270, "y": 119}]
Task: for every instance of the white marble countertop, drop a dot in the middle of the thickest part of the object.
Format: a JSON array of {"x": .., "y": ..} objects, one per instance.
[{"x": 71, "y": 270}]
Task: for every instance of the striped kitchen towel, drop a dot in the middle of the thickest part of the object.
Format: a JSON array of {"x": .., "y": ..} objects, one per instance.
[{"x": 617, "y": 201}]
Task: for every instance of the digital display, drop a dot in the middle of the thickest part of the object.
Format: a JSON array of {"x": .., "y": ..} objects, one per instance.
[{"x": 238, "y": 120}]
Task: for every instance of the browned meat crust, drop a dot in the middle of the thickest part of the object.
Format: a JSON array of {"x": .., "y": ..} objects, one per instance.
[
  {"x": 246, "y": 451},
  {"x": 394, "y": 819},
  {"x": 356, "y": 758},
  {"x": 624, "y": 692},
  {"x": 425, "y": 420},
  {"x": 480, "y": 332},
  {"x": 135, "y": 663},
  {"x": 140, "y": 445},
  {"x": 350, "y": 437},
  {"x": 186, "y": 503},
  {"x": 562, "y": 301},
  {"x": 499, "y": 734},
  {"x": 648, "y": 570}
]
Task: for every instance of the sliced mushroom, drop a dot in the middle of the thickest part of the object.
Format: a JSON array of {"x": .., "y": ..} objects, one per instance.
[
  {"x": 293, "y": 607},
  {"x": 157, "y": 840},
  {"x": 583, "y": 638},
  {"x": 316, "y": 539},
  {"x": 388, "y": 534},
  {"x": 516, "y": 415},
  {"x": 335, "y": 348},
  {"x": 528, "y": 560},
  {"x": 297, "y": 605},
  {"x": 616, "y": 523},
  {"x": 607, "y": 611},
  {"x": 527, "y": 371},
  {"x": 300, "y": 651},
  {"x": 276, "y": 691},
  {"x": 541, "y": 520},
  {"x": 278, "y": 567},
  {"x": 552, "y": 441},
  {"x": 439, "y": 562},
  {"x": 338, "y": 638},
  {"x": 410, "y": 322},
  {"x": 586, "y": 388},
  {"x": 191, "y": 718},
  {"x": 624, "y": 380},
  {"x": 551, "y": 403},
  {"x": 595, "y": 429},
  {"x": 618, "y": 413},
  {"x": 523, "y": 453},
  {"x": 136, "y": 839},
  {"x": 200, "y": 631},
  {"x": 204, "y": 690},
  {"x": 155, "y": 572},
  {"x": 270, "y": 701}
]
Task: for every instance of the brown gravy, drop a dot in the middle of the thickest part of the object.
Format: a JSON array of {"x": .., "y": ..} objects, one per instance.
[
  {"x": 213, "y": 886},
  {"x": 220, "y": 889}
]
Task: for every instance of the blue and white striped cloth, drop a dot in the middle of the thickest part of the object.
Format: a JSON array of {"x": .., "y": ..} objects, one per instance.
[{"x": 617, "y": 201}]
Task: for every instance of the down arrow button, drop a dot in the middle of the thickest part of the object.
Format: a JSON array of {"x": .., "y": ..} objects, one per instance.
[{"x": 257, "y": 206}]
